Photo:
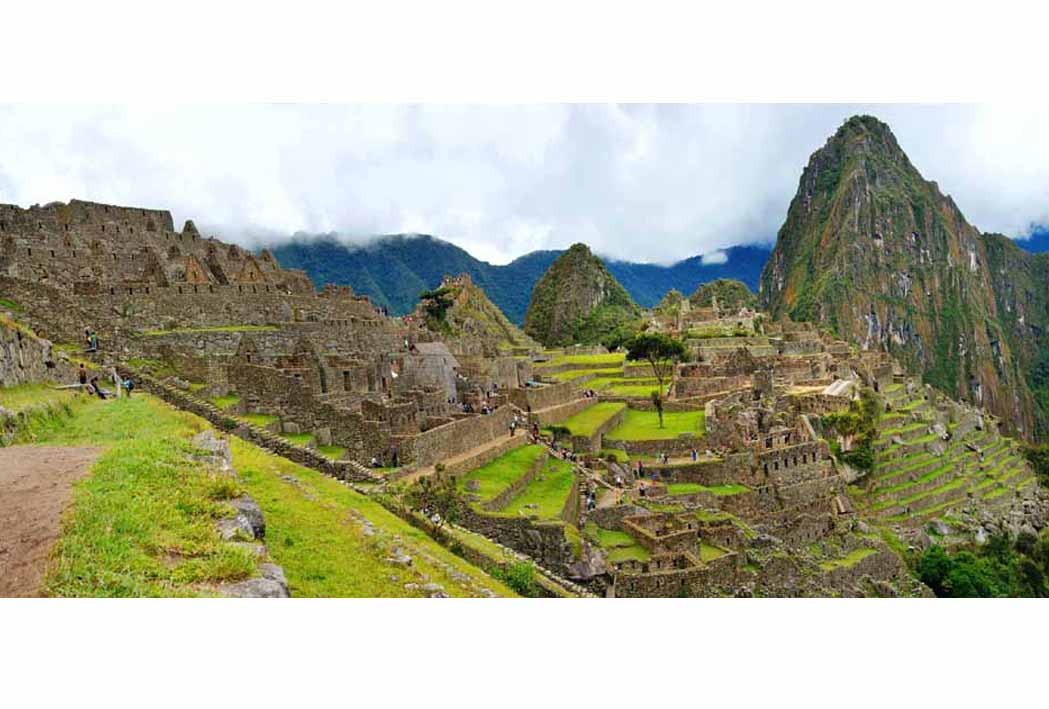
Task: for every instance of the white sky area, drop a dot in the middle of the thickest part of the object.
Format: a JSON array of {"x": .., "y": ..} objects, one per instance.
[{"x": 653, "y": 183}]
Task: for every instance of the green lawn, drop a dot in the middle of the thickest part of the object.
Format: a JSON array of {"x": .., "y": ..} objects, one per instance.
[
  {"x": 589, "y": 420},
  {"x": 311, "y": 533},
  {"x": 497, "y": 475},
  {"x": 635, "y": 552},
  {"x": 599, "y": 360},
  {"x": 226, "y": 402},
  {"x": 571, "y": 374},
  {"x": 694, "y": 488},
  {"x": 333, "y": 452},
  {"x": 644, "y": 425},
  {"x": 299, "y": 439},
  {"x": 142, "y": 523},
  {"x": 851, "y": 559},
  {"x": 548, "y": 491},
  {"x": 609, "y": 538},
  {"x": 260, "y": 420},
  {"x": 25, "y": 395}
]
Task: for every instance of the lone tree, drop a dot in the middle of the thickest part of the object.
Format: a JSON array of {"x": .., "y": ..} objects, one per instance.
[{"x": 662, "y": 352}]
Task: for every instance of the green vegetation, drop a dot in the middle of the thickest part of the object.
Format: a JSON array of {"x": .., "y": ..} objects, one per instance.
[
  {"x": 849, "y": 560},
  {"x": 226, "y": 402},
  {"x": 577, "y": 301},
  {"x": 313, "y": 531},
  {"x": 499, "y": 474},
  {"x": 435, "y": 305},
  {"x": 586, "y": 422},
  {"x": 857, "y": 428},
  {"x": 597, "y": 360},
  {"x": 645, "y": 425},
  {"x": 142, "y": 523},
  {"x": 731, "y": 295},
  {"x": 662, "y": 352},
  {"x": 675, "y": 489},
  {"x": 332, "y": 452},
  {"x": 24, "y": 396},
  {"x": 548, "y": 491},
  {"x": 11, "y": 305},
  {"x": 299, "y": 439},
  {"x": 260, "y": 420},
  {"x": 520, "y": 576},
  {"x": 1000, "y": 568}
]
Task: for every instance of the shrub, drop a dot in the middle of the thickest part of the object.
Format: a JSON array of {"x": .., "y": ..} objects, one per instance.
[{"x": 520, "y": 576}]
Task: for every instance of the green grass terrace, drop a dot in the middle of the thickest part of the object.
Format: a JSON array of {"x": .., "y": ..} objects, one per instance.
[
  {"x": 586, "y": 422},
  {"x": 644, "y": 425}
]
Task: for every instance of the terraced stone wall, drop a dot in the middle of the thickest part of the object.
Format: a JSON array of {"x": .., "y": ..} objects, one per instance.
[{"x": 454, "y": 439}]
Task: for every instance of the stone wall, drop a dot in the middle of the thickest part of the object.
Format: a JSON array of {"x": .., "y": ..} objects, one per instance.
[
  {"x": 26, "y": 359},
  {"x": 454, "y": 439}
]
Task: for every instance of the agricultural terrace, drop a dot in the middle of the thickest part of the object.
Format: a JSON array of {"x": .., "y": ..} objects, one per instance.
[
  {"x": 586, "y": 422},
  {"x": 490, "y": 480},
  {"x": 644, "y": 425}
]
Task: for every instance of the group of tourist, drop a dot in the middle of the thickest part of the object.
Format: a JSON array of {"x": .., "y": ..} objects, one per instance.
[
  {"x": 92, "y": 387},
  {"x": 589, "y": 394}
]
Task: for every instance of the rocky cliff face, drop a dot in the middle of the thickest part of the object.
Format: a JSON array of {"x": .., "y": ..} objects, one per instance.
[
  {"x": 578, "y": 301},
  {"x": 881, "y": 256}
]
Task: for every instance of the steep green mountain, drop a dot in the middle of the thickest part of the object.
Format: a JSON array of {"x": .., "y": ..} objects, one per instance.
[
  {"x": 459, "y": 308},
  {"x": 882, "y": 257},
  {"x": 730, "y": 293},
  {"x": 393, "y": 270},
  {"x": 577, "y": 301}
]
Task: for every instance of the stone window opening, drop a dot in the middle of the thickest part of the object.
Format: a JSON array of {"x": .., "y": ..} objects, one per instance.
[
  {"x": 28, "y": 252},
  {"x": 130, "y": 291},
  {"x": 103, "y": 228},
  {"x": 112, "y": 291},
  {"x": 52, "y": 253}
]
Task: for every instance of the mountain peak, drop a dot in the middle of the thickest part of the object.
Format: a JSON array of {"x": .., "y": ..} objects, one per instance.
[{"x": 577, "y": 301}]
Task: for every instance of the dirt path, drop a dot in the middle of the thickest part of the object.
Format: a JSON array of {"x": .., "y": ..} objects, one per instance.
[{"x": 35, "y": 487}]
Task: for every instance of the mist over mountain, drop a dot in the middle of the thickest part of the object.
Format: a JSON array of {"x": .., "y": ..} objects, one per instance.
[{"x": 394, "y": 270}]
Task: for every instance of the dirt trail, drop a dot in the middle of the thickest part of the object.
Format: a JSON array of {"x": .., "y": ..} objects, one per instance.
[{"x": 35, "y": 487}]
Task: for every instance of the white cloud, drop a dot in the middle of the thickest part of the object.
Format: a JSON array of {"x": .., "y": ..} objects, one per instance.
[
  {"x": 639, "y": 182},
  {"x": 714, "y": 258}
]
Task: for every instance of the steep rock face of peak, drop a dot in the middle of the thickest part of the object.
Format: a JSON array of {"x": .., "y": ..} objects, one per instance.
[
  {"x": 578, "y": 301},
  {"x": 877, "y": 253},
  {"x": 459, "y": 308}
]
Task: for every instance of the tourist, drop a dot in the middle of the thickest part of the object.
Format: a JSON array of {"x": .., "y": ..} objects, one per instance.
[
  {"x": 129, "y": 384},
  {"x": 375, "y": 462},
  {"x": 695, "y": 455},
  {"x": 98, "y": 390},
  {"x": 513, "y": 427},
  {"x": 93, "y": 338},
  {"x": 82, "y": 376}
]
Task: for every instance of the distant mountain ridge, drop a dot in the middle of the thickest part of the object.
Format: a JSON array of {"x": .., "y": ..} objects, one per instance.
[{"x": 394, "y": 270}]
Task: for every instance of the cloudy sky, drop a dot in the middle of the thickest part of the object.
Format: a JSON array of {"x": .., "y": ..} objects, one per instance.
[{"x": 638, "y": 182}]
